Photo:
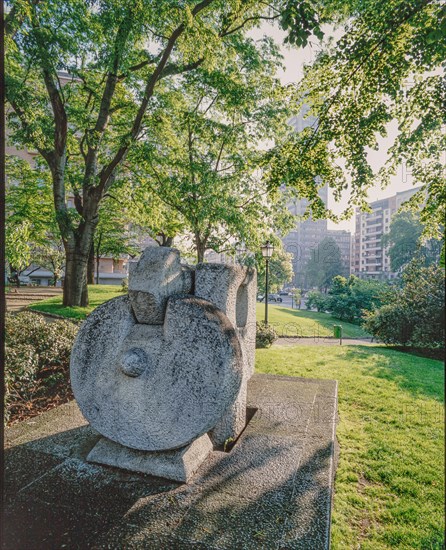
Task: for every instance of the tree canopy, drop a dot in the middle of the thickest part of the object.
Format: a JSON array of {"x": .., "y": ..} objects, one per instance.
[
  {"x": 385, "y": 69},
  {"x": 203, "y": 146},
  {"x": 403, "y": 241},
  {"x": 84, "y": 123},
  {"x": 324, "y": 264}
]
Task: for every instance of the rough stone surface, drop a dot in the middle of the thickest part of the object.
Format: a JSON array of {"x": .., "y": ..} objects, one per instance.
[
  {"x": 233, "y": 289},
  {"x": 178, "y": 465},
  {"x": 273, "y": 490},
  {"x": 157, "y": 276},
  {"x": 156, "y": 388}
]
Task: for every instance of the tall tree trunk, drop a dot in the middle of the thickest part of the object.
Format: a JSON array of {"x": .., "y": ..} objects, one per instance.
[
  {"x": 200, "y": 245},
  {"x": 77, "y": 251},
  {"x": 98, "y": 257},
  {"x": 90, "y": 267},
  {"x": 75, "y": 291}
]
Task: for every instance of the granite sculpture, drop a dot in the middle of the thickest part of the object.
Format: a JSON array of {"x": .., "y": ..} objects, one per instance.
[{"x": 162, "y": 373}]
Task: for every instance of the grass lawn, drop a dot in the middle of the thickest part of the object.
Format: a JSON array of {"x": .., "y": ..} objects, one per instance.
[
  {"x": 389, "y": 490},
  {"x": 295, "y": 322},
  {"x": 97, "y": 295}
]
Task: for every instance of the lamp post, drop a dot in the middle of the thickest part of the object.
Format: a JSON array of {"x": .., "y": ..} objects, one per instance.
[{"x": 267, "y": 252}]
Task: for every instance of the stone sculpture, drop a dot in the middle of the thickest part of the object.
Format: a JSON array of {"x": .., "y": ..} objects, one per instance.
[{"x": 162, "y": 373}]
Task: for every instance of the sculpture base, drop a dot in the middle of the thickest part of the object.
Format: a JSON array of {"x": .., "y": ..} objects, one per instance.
[{"x": 178, "y": 464}]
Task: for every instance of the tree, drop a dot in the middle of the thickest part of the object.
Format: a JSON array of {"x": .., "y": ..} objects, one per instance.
[
  {"x": 413, "y": 315},
  {"x": 17, "y": 249},
  {"x": 31, "y": 229},
  {"x": 113, "y": 236},
  {"x": 324, "y": 264},
  {"x": 316, "y": 299},
  {"x": 404, "y": 243},
  {"x": 385, "y": 68},
  {"x": 51, "y": 256},
  {"x": 280, "y": 269},
  {"x": 117, "y": 54},
  {"x": 349, "y": 299},
  {"x": 202, "y": 153}
]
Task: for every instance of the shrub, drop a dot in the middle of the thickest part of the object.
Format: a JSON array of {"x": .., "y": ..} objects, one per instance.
[
  {"x": 37, "y": 354},
  {"x": 316, "y": 299},
  {"x": 265, "y": 335},
  {"x": 125, "y": 285},
  {"x": 350, "y": 298},
  {"x": 414, "y": 315}
]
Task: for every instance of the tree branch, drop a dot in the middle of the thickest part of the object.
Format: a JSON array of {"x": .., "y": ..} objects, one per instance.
[{"x": 108, "y": 170}]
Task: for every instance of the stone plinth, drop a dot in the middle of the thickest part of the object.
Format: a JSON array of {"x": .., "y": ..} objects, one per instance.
[
  {"x": 178, "y": 465},
  {"x": 273, "y": 490}
]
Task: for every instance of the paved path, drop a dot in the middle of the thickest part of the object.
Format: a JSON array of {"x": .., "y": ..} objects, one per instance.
[
  {"x": 324, "y": 342},
  {"x": 18, "y": 299}
]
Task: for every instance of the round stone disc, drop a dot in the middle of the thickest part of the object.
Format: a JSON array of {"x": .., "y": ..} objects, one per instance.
[{"x": 156, "y": 387}]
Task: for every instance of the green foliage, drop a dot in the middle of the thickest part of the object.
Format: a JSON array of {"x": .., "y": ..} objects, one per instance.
[
  {"x": 124, "y": 64},
  {"x": 348, "y": 299},
  {"x": 385, "y": 68},
  {"x": 31, "y": 228},
  {"x": 297, "y": 296},
  {"x": 36, "y": 352},
  {"x": 324, "y": 264},
  {"x": 204, "y": 146},
  {"x": 315, "y": 299},
  {"x": 280, "y": 269},
  {"x": 404, "y": 241},
  {"x": 415, "y": 314},
  {"x": 17, "y": 246},
  {"x": 266, "y": 335}
]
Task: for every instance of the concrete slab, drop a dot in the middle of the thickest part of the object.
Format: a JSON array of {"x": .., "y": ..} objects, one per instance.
[{"x": 273, "y": 490}]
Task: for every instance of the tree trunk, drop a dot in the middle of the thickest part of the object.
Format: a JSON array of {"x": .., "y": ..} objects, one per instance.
[
  {"x": 201, "y": 249},
  {"x": 90, "y": 267},
  {"x": 98, "y": 257},
  {"x": 77, "y": 251},
  {"x": 75, "y": 291}
]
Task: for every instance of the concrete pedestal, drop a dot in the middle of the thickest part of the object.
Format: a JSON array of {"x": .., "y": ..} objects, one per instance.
[{"x": 178, "y": 465}]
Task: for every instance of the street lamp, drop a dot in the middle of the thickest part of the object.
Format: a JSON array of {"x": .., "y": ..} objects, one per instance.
[{"x": 267, "y": 252}]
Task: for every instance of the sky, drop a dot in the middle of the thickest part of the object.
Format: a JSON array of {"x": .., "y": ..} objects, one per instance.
[{"x": 294, "y": 59}]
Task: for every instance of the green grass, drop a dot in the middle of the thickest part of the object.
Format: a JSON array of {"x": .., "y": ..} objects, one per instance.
[
  {"x": 294, "y": 322},
  {"x": 389, "y": 489},
  {"x": 97, "y": 294}
]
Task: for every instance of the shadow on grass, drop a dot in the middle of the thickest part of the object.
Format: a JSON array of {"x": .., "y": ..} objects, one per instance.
[{"x": 417, "y": 375}]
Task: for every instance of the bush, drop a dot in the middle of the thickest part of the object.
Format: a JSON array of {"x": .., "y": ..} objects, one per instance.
[
  {"x": 125, "y": 285},
  {"x": 350, "y": 298},
  {"x": 37, "y": 355},
  {"x": 265, "y": 335},
  {"x": 316, "y": 299},
  {"x": 414, "y": 314}
]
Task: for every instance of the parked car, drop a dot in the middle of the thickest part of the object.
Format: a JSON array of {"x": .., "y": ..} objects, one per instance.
[
  {"x": 274, "y": 298},
  {"x": 284, "y": 293}
]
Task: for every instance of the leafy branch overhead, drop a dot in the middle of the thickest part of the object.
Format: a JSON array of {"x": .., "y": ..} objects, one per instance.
[
  {"x": 383, "y": 77},
  {"x": 115, "y": 56}
]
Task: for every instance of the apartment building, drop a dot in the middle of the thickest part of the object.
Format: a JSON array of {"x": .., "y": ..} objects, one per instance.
[{"x": 369, "y": 258}]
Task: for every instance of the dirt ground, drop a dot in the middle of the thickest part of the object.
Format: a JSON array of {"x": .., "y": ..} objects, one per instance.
[{"x": 18, "y": 298}]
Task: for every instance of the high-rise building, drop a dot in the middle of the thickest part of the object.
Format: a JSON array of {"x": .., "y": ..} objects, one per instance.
[
  {"x": 369, "y": 258},
  {"x": 305, "y": 237}
]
